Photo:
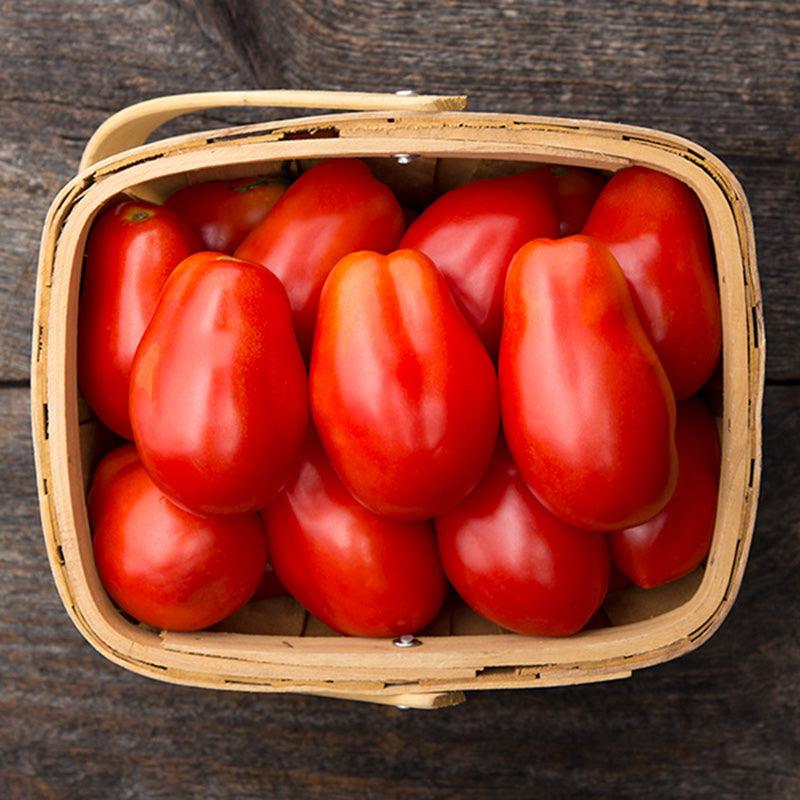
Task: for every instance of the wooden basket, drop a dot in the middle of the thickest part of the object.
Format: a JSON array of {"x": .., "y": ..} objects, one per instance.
[{"x": 418, "y": 145}]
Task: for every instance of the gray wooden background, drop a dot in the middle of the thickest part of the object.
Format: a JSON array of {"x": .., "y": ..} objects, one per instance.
[{"x": 720, "y": 722}]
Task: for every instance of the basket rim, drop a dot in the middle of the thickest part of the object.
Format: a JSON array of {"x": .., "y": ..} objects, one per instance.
[{"x": 508, "y": 137}]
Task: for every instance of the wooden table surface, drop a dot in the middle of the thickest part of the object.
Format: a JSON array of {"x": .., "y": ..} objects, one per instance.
[{"x": 722, "y": 721}]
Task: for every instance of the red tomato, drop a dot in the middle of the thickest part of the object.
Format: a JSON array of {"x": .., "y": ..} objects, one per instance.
[
  {"x": 132, "y": 249},
  {"x": 106, "y": 473},
  {"x": 331, "y": 210},
  {"x": 269, "y": 585},
  {"x": 218, "y": 395},
  {"x": 656, "y": 229},
  {"x": 471, "y": 234},
  {"x": 224, "y": 212},
  {"x": 675, "y": 541},
  {"x": 576, "y": 190},
  {"x": 409, "y": 215},
  {"x": 515, "y": 563},
  {"x": 359, "y": 573},
  {"x": 162, "y": 565},
  {"x": 617, "y": 579},
  {"x": 403, "y": 393},
  {"x": 587, "y": 409}
]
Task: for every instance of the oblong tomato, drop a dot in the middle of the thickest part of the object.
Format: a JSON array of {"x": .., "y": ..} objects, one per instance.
[
  {"x": 131, "y": 251},
  {"x": 675, "y": 541},
  {"x": 656, "y": 229},
  {"x": 106, "y": 472},
  {"x": 269, "y": 586},
  {"x": 576, "y": 190},
  {"x": 403, "y": 394},
  {"x": 331, "y": 210},
  {"x": 617, "y": 579},
  {"x": 162, "y": 565},
  {"x": 587, "y": 409},
  {"x": 515, "y": 563},
  {"x": 472, "y": 232},
  {"x": 224, "y": 212},
  {"x": 359, "y": 573},
  {"x": 218, "y": 395}
]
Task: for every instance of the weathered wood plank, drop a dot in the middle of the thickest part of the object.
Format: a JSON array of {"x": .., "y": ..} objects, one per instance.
[
  {"x": 718, "y": 722},
  {"x": 724, "y": 74}
]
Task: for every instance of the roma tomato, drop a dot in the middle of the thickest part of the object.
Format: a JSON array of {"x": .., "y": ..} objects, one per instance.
[
  {"x": 331, "y": 210},
  {"x": 515, "y": 563},
  {"x": 106, "y": 473},
  {"x": 224, "y": 212},
  {"x": 655, "y": 227},
  {"x": 617, "y": 579},
  {"x": 587, "y": 409},
  {"x": 576, "y": 190},
  {"x": 218, "y": 395},
  {"x": 471, "y": 234},
  {"x": 403, "y": 394},
  {"x": 162, "y": 565},
  {"x": 132, "y": 249},
  {"x": 677, "y": 539},
  {"x": 269, "y": 586},
  {"x": 359, "y": 573}
]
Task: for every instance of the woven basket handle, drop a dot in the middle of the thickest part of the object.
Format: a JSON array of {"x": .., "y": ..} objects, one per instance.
[{"x": 131, "y": 126}]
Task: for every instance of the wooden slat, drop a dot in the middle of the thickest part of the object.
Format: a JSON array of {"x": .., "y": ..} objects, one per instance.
[{"x": 633, "y": 604}]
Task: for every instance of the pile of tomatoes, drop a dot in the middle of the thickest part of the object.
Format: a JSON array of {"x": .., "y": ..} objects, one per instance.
[{"x": 365, "y": 403}]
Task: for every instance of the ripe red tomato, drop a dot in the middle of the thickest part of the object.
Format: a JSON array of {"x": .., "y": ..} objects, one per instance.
[
  {"x": 587, "y": 409},
  {"x": 359, "y": 573},
  {"x": 224, "y": 212},
  {"x": 471, "y": 234},
  {"x": 656, "y": 229},
  {"x": 331, "y": 210},
  {"x": 576, "y": 190},
  {"x": 617, "y": 579},
  {"x": 218, "y": 395},
  {"x": 677, "y": 539},
  {"x": 106, "y": 473},
  {"x": 132, "y": 249},
  {"x": 515, "y": 563},
  {"x": 269, "y": 586},
  {"x": 162, "y": 565},
  {"x": 403, "y": 394}
]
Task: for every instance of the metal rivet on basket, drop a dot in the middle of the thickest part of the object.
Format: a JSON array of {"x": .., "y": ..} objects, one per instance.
[
  {"x": 406, "y": 93},
  {"x": 406, "y": 640},
  {"x": 403, "y": 158}
]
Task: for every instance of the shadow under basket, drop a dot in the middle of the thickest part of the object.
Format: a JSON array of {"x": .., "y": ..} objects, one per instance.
[{"x": 419, "y": 147}]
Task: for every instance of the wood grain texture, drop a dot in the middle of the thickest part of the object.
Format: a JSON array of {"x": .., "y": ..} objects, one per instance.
[
  {"x": 721, "y": 722},
  {"x": 725, "y": 74}
]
